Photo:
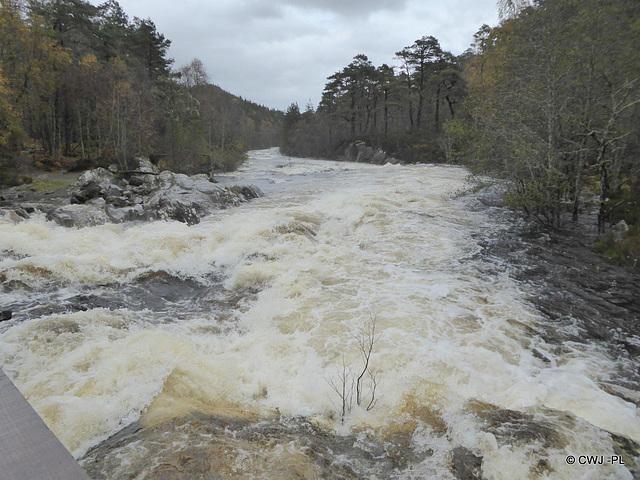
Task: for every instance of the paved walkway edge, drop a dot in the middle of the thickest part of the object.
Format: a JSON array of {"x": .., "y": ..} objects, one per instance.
[{"x": 28, "y": 449}]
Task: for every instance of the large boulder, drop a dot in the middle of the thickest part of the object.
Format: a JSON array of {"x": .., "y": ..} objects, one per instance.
[
  {"x": 100, "y": 176},
  {"x": 145, "y": 194},
  {"x": 92, "y": 184},
  {"x": 145, "y": 165},
  {"x": 362, "y": 153},
  {"x": 78, "y": 216},
  {"x": 13, "y": 215}
]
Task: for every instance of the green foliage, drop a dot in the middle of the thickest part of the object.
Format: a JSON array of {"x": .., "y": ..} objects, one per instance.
[
  {"x": 553, "y": 95},
  {"x": 622, "y": 248},
  {"x": 50, "y": 185},
  {"x": 306, "y": 134},
  {"x": 230, "y": 158},
  {"x": 10, "y": 175},
  {"x": 210, "y": 129},
  {"x": 400, "y": 110},
  {"x": 456, "y": 139},
  {"x": 149, "y": 47},
  {"x": 624, "y": 205},
  {"x": 86, "y": 82}
]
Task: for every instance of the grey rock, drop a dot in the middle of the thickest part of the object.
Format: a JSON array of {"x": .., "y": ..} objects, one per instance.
[
  {"x": 136, "y": 181},
  {"x": 97, "y": 202},
  {"x": 142, "y": 190},
  {"x": 101, "y": 197},
  {"x": 98, "y": 175},
  {"x": 247, "y": 192},
  {"x": 118, "y": 201},
  {"x": 88, "y": 191},
  {"x": 78, "y": 197},
  {"x": 165, "y": 179},
  {"x": 113, "y": 191},
  {"x": 182, "y": 211},
  {"x": 205, "y": 186},
  {"x": 362, "y": 153},
  {"x": 14, "y": 215},
  {"x": 183, "y": 181},
  {"x": 78, "y": 216},
  {"x": 466, "y": 465},
  {"x": 118, "y": 215},
  {"x": 145, "y": 165},
  {"x": 492, "y": 195}
]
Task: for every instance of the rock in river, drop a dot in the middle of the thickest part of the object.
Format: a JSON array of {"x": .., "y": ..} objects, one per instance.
[{"x": 102, "y": 196}]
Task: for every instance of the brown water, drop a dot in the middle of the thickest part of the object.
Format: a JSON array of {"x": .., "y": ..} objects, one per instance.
[{"x": 217, "y": 343}]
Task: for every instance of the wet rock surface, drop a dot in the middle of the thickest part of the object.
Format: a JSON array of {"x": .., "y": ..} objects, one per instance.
[
  {"x": 204, "y": 446},
  {"x": 243, "y": 446},
  {"x": 362, "y": 153},
  {"x": 102, "y": 196},
  {"x": 168, "y": 297},
  {"x": 582, "y": 298},
  {"x": 584, "y": 301},
  {"x": 465, "y": 464}
]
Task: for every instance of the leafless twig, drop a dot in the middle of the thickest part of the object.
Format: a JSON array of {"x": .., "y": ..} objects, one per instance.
[{"x": 347, "y": 384}]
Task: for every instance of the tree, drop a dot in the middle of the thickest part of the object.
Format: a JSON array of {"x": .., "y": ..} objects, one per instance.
[
  {"x": 150, "y": 48},
  {"x": 362, "y": 383},
  {"x": 40, "y": 94},
  {"x": 554, "y": 100},
  {"x": 399, "y": 110},
  {"x": 421, "y": 61},
  {"x": 193, "y": 74},
  {"x": 350, "y": 94},
  {"x": 11, "y": 133},
  {"x": 71, "y": 20},
  {"x": 387, "y": 86},
  {"x": 511, "y": 8},
  {"x": 520, "y": 105},
  {"x": 114, "y": 30},
  {"x": 83, "y": 81},
  {"x": 291, "y": 117}
]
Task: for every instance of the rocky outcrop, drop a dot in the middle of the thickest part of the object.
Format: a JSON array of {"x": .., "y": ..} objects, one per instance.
[
  {"x": 362, "y": 153},
  {"x": 107, "y": 196}
]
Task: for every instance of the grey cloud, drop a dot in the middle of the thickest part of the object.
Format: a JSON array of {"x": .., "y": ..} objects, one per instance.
[
  {"x": 275, "y": 52},
  {"x": 347, "y": 7}
]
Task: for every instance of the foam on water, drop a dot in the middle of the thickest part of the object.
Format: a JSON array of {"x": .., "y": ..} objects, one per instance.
[{"x": 311, "y": 263}]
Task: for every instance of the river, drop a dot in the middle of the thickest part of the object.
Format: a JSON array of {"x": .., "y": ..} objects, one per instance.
[{"x": 214, "y": 349}]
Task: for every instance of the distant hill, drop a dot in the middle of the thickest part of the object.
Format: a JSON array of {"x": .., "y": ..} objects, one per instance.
[
  {"x": 83, "y": 85},
  {"x": 255, "y": 125}
]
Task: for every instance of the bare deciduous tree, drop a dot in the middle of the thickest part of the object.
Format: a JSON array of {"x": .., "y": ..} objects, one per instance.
[
  {"x": 510, "y": 8},
  {"x": 194, "y": 74},
  {"x": 343, "y": 385},
  {"x": 363, "y": 383}
]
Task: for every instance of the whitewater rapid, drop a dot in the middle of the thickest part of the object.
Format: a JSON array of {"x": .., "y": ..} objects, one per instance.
[{"x": 253, "y": 310}]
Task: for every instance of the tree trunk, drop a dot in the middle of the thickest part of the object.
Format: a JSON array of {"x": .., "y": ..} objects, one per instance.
[{"x": 437, "y": 113}]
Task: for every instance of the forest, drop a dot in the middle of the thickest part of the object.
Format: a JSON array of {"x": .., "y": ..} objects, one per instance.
[
  {"x": 84, "y": 85},
  {"x": 548, "y": 101}
]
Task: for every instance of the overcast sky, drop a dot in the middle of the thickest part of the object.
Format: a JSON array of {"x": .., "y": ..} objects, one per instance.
[{"x": 275, "y": 52}]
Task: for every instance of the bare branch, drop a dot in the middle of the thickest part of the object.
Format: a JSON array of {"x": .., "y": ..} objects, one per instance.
[
  {"x": 344, "y": 389},
  {"x": 346, "y": 384},
  {"x": 366, "y": 340},
  {"x": 374, "y": 386}
]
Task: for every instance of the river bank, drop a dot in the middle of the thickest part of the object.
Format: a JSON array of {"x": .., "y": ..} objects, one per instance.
[
  {"x": 582, "y": 295},
  {"x": 100, "y": 196}
]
